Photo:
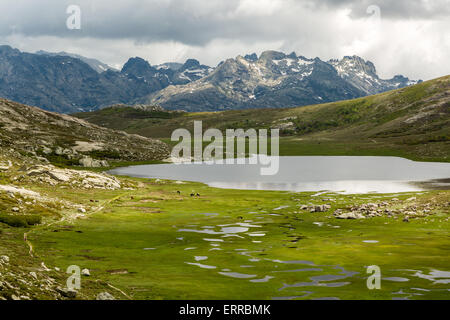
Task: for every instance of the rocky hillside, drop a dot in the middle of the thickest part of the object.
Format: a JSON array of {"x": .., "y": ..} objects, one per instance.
[
  {"x": 67, "y": 140},
  {"x": 277, "y": 80},
  {"x": 69, "y": 83}
]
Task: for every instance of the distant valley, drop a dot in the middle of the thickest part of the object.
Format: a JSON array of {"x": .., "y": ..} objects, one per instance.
[{"x": 411, "y": 122}]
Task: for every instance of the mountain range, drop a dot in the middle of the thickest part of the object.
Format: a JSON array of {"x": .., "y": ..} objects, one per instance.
[{"x": 69, "y": 83}]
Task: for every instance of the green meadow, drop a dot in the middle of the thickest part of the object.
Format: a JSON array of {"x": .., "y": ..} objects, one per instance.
[{"x": 154, "y": 242}]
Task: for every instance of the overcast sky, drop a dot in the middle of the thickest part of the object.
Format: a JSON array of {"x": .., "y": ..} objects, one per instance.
[{"x": 409, "y": 37}]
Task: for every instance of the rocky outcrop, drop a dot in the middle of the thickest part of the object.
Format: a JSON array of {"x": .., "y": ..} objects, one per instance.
[
  {"x": 74, "y": 178},
  {"x": 407, "y": 210}
]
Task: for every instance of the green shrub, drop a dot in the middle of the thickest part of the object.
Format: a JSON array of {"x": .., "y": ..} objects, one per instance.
[
  {"x": 13, "y": 221},
  {"x": 59, "y": 160},
  {"x": 440, "y": 138},
  {"x": 105, "y": 154},
  {"x": 33, "y": 219},
  {"x": 20, "y": 221}
]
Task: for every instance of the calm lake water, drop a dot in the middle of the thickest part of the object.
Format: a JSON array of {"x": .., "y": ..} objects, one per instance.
[{"x": 309, "y": 173}]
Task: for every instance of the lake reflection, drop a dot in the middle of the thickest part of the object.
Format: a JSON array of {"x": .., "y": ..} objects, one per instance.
[{"x": 307, "y": 173}]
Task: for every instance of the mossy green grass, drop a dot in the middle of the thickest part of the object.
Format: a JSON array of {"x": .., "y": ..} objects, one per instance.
[{"x": 154, "y": 243}]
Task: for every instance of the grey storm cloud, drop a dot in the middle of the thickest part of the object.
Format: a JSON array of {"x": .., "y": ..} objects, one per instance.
[
  {"x": 392, "y": 9},
  {"x": 187, "y": 21},
  {"x": 406, "y": 35},
  {"x": 194, "y": 22}
]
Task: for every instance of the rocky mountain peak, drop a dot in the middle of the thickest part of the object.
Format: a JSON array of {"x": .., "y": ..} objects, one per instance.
[
  {"x": 137, "y": 66},
  {"x": 363, "y": 75},
  {"x": 272, "y": 55},
  {"x": 355, "y": 64},
  {"x": 251, "y": 57},
  {"x": 399, "y": 77},
  {"x": 95, "y": 64},
  {"x": 191, "y": 64},
  {"x": 175, "y": 66},
  {"x": 7, "y": 50},
  {"x": 228, "y": 70},
  {"x": 191, "y": 70},
  {"x": 292, "y": 55}
]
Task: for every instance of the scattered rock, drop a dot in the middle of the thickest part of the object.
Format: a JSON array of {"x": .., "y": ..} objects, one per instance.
[
  {"x": 5, "y": 167},
  {"x": 88, "y": 162},
  {"x": 44, "y": 267},
  {"x": 85, "y": 272},
  {"x": 316, "y": 208},
  {"x": 105, "y": 296},
  {"x": 120, "y": 271},
  {"x": 46, "y": 150},
  {"x": 68, "y": 293},
  {"x": 351, "y": 215},
  {"x": 59, "y": 176},
  {"x": 4, "y": 259}
]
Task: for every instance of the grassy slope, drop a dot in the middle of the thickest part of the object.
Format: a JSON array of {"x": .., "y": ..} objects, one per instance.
[
  {"x": 373, "y": 125},
  {"x": 149, "y": 217}
]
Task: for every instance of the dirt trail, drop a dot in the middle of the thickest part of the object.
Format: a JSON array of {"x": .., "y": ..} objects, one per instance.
[{"x": 99, "y": 209}]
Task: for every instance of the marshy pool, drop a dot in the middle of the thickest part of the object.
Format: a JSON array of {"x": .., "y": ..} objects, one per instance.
[{"x": 346, "y": 174}]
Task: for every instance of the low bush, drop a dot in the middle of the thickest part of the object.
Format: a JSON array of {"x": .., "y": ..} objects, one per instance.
[{"x": 20, "y": 221}]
